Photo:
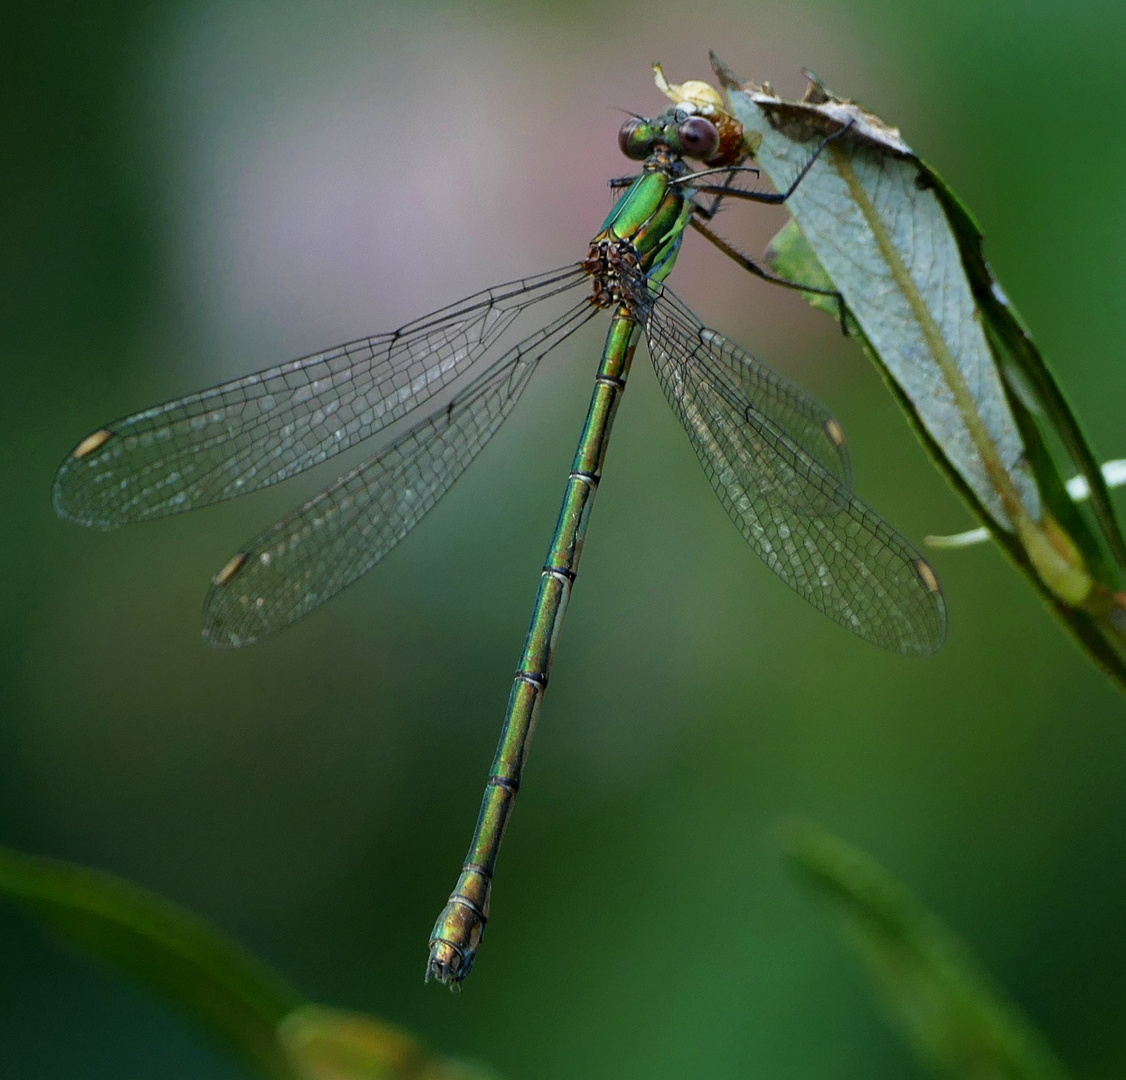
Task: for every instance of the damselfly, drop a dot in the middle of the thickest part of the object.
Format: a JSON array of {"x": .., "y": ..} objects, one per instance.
[{"x": 775, "y": 457}]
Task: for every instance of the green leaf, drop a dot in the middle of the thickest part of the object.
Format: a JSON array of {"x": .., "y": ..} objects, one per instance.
[
  {"x": 162, "y": 945},
  {"x": 328, "y": 1044},
  {"x": 215, "y": 982},
  {"x": 877, "y": 224},
  {"x": 954, "y": 1015},
  {"x": 885, "y": 242},
  {"x": 1013, "y": 342},
  {"x": 790, "y": 255}
]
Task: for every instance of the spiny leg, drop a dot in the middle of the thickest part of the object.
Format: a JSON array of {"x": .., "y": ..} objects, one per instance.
[
  {"x": 708, "y": 212},
  {"x": 619, "y": 182},
  {"x": 720, "y": 191},
  {"x": 771, "y": 198},
  {"x": 753, "y": 267}
]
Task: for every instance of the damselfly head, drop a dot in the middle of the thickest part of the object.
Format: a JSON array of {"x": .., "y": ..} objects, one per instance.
[{"x": 682, "y": 130}]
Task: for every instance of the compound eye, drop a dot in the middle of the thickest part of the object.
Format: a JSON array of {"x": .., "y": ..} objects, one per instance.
[
  {"x": 636, "y": 139},
  {"x": 698, "y": 137}
]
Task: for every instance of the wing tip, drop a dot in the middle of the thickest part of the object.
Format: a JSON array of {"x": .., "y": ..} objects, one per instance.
[{"x": 69, "y": 486}]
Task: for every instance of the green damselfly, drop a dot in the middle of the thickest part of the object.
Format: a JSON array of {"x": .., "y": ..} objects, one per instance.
[{"x": 775, "y": 457}]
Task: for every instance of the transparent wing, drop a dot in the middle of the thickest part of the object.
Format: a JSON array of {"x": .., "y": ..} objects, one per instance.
[
  {"x": 262, "y": 428},
  {"x": 785, "y": 404},
  {"x": 313, "y": 553},
  {"x": 771, "y": 474}
]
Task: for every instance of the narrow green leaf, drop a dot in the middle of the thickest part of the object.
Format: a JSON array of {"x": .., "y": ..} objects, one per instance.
[
  {"x": 1014, "y": 340},
  {"x": 954, "y": 1015},
  {"x": 181, "y": 956},
  {"x": 328, "y": 1044},
  {"x": 215, "y": 982}
]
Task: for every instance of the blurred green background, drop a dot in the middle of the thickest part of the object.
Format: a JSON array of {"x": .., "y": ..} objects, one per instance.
[{"x": 197, "y": 190}]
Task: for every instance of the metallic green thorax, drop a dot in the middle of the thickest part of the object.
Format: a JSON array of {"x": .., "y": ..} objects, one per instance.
[
  {"x": 650, "y": 218},
  {"x": 642, "y": 235}
]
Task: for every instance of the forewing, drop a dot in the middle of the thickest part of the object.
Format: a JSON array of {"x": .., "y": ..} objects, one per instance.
[
  {"x": 254, "y": 431},
  {"x": 799, "y": 515},
  {"x": 313, "y": 553}
]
